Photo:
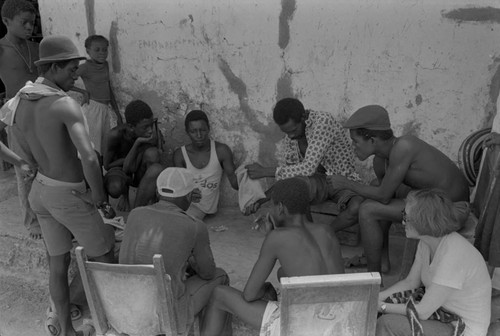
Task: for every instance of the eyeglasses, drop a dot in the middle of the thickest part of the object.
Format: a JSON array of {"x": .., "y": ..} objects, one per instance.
[{"x": 405, "y": 217}]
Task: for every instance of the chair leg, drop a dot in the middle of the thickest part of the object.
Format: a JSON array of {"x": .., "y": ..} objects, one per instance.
[{"x": 408, "y": 257}]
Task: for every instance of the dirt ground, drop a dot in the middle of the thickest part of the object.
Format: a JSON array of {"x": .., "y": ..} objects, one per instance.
[{"x": 24, "y": 275}]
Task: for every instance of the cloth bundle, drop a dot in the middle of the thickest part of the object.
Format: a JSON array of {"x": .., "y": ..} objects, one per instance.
[{"x": 410, "y": 297}]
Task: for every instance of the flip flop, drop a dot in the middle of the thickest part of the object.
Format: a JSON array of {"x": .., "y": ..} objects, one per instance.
[
  {"x": 52, "y": 326},
  {"x": 356, "y": 261},
  {"x": 74, "y": 311}
]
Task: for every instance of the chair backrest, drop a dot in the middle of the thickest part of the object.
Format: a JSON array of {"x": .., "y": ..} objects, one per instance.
[
  {"x": 131, "y": 299},
  {"x": 337, "y": 304}
]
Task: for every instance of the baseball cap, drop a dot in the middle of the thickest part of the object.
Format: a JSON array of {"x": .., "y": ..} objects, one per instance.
[
  {"x": 175, "y": 182},
  {"x": 57, "y": 49},
  {"x": 372, "y": 117}
]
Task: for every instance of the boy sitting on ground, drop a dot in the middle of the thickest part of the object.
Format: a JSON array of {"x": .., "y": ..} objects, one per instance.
[
  {"x": 301, "y": 247},
  {"x": 132, "y": 156}
]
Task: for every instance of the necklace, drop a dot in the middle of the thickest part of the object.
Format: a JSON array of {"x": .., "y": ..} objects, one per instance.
[{"x": 28, "y": 64}]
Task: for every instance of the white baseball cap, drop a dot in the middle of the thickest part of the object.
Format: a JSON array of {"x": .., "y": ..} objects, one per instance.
[{"x": 175, "y": 182}]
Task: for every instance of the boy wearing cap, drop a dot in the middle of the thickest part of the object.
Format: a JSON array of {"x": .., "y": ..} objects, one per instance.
[
  {"x": 207, "y": 160},
  {"x": 315, "y": 146},
  {"x": 56, "y": 135},
  {"x": 164, "y": 228},
  {"x": 400, "y": 164},
  {"x": 17, "y": 57},
  {"x": 132, "y": 156}
]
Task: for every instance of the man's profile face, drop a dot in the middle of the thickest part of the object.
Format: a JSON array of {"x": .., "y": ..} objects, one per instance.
[
  {"x": 65, "y": 77},
  {"x": 21, "y": 25},
  {"x": 198, "y": 132},
  {"x": 293, "y": 129},
  {"x": 362, "y": 147},
  {"x": 144, "y": 128}
]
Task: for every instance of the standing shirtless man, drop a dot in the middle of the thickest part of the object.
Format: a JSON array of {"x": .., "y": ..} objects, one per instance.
[
  {"x": 400, "y": 164},
  {"x": 57, "y": 136}
]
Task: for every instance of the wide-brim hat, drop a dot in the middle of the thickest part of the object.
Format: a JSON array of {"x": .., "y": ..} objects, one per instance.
[{"x": 57, "y": 49}]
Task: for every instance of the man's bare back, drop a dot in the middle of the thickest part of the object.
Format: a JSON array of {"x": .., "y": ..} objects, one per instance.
[
  {"x": 44, "y": 124},
  {"x": 307, "y": 250},
  {"x": 425, "y": 168}
]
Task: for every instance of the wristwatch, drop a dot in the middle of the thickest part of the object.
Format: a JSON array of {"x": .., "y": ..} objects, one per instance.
[{"x": 383, "y": 307}]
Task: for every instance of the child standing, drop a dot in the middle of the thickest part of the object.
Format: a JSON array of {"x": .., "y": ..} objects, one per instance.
[
  {"x": 95, "y": 75},
  {"x": 17, "y": 57}
]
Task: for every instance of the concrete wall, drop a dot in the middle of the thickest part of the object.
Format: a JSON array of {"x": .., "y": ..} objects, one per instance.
[{"x": 432, "y": 63}]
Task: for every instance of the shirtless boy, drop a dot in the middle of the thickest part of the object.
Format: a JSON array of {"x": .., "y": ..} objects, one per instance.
[
  {"x": 207, "y": 160},
  {"x": 301, "y": 247},
  {"x": 400, "y": 164},
  {"x": 17, "y": 57},
  {"x": 132, "y": 156},
  {"x": 55, "y": 132}
]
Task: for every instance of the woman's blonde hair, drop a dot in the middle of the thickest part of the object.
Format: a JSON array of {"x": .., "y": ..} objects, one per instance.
[{"x": 432, "y": 212}]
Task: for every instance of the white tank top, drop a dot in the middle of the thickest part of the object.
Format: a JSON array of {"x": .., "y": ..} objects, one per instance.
[{"x": 207, "y": 179}]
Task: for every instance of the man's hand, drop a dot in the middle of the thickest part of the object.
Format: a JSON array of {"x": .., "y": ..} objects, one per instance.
[
  {"x": 256, "y": 171},
  {"x": 338, "y": 182},
  {"x": 196, "y": 195},
  {"x": 142, "y": 140},
  {"x": 28, "y": 172},
  {"x": 491, "y": 139}
]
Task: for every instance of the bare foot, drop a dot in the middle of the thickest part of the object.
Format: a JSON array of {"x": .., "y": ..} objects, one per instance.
[
  {"x": 123, "y": 204},
  {"x": 35, "y": 232},
  {"x": 252, "y": 208}
]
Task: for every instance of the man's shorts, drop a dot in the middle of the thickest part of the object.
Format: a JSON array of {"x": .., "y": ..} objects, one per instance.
[
  {"x": 61, "y": 214},
  {"x": 270, "y": 325}
]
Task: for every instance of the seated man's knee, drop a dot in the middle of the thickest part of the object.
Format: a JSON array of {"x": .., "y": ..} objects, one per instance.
[
  {"x": 151, "y": 155},
  {"x": 353, "y": 205},
  {"x": 153, "y": 171},
  {"x": 115, "y": 187},
  {"x": 367, "y": 209}
]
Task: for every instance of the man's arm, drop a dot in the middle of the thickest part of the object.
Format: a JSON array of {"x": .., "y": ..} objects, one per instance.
[
  {"x": 323, "y": 131},
  {"x": 204, "y": 264},
  {"x": 255, "y": 289},
  {"x": 399, "y": 163},
  {"x": 71, "y": 115},
  {"x": 130, "y": 163},
  {"x": 112, "y": 149},
  {"x": 8, "y": 155},
  {"x": 178, "y": 158},
  {"x": 225, "y": 156},
  {"x": 114, "y": 105}
]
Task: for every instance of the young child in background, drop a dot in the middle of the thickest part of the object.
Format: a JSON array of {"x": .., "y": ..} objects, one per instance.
[
  {"x": 95, "y": 75},
  {"x": 17, "y": 57}
]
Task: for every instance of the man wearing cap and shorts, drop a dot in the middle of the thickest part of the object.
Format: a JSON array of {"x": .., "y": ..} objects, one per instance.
[
  {"x": 400, "y": 164},
  {"x": 165, "y": 228},
  {"x": 315, "y": 146},
  {"x": 56, "y": 134}
]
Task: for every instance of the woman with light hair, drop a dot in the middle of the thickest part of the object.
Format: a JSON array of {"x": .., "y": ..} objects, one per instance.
[{"x": 448, "y": 289}]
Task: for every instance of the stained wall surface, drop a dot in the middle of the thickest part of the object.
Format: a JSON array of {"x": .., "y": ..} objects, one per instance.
[{"x": 432, "y": 63}]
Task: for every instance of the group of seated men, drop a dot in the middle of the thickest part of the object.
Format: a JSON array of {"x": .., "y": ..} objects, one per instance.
[{"x": 316, "y": 164}]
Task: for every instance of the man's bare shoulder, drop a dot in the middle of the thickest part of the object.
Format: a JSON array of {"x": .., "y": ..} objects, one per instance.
[{"x": 222, "y": 149}]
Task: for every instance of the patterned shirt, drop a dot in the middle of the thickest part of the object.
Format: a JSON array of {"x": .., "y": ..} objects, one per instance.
[{"x": 327, "y": 145}]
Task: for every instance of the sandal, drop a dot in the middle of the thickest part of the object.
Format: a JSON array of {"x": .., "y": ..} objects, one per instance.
[
  {"x": 52, "y": 326},
  {"x": 356, "y": 261}
]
